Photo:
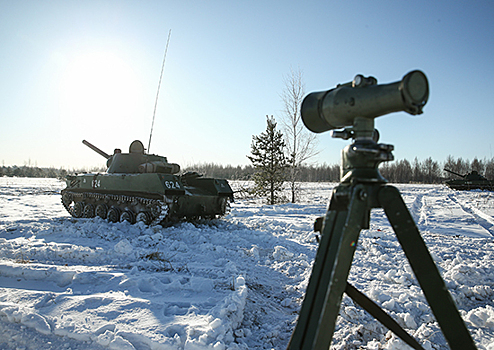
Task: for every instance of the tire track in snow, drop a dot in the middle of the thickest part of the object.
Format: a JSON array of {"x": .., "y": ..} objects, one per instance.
[{"x": 481, "y": 218}]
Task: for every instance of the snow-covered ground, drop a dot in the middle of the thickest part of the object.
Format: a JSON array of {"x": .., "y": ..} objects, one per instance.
[{"x": 234, "y": 283}]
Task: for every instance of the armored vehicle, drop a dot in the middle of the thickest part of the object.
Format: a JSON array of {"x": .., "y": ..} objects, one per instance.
[
  {"x": 144, "y": 187},
  {"x": 470, "y": 181}
]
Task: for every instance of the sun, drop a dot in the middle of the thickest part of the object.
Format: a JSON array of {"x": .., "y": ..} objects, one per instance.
[{"x": 99, "y": 89}]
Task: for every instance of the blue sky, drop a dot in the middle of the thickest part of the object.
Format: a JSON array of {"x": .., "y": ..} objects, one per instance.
[{"x": 74, "y": 70}]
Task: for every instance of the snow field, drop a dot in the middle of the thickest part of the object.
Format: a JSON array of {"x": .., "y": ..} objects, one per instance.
[{"x": 232, "y": 283}]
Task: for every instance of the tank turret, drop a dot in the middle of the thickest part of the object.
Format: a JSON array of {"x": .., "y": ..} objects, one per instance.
[
  {"x": 136, "y": 161},
  {"x": 144, "y": 187}
]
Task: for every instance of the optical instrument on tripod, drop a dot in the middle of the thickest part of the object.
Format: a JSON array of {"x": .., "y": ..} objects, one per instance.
[{"x": 354, "y": 106}]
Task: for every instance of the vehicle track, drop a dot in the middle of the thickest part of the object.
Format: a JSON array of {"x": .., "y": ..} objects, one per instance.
[
  {"x": 481, "y": 218},
  {"x": 419, "y": 208}
]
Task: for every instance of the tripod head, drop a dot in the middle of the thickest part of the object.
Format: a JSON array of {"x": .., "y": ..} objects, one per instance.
[{"x": 354, "y": 106}]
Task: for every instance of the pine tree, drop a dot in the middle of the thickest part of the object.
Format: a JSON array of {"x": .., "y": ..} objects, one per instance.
[{"x": 268, "y": 159}]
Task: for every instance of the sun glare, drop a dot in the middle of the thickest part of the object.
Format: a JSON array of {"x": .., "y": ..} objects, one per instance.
[{"x": 99, "y": 89}]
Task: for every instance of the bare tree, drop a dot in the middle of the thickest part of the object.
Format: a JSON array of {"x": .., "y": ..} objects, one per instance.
[{"x": 300, "y": 143}]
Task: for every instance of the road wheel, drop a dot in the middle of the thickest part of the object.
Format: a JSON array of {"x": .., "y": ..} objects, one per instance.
[
  {"x": 102, "y": 211},
  {"x": 78, "y": 209},
  {"x": 89, "y": 211},
  {"x": 144, "y": 217},
  {"x": 114, "y": 214},
  {"x": 128, "y": 215}
]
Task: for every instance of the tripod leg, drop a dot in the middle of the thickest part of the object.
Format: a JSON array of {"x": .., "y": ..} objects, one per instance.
[
  {"x": 318, "y": 283},
  {"x": 425, "y": 270},
  {"x": 379, "y": 314},
  {"x": 316, "y": 323}
]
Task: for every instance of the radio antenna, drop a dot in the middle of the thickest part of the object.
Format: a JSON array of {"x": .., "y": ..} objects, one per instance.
[{"x": 158, "y": 92}]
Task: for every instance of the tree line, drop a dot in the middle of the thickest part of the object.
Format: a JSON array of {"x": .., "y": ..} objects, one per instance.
[
  {"x": 426, "y": 171},
  {"x": 430, "y": 171},
  {"x": 306, "y": 173},
  {"x": 34, "y": 171}
]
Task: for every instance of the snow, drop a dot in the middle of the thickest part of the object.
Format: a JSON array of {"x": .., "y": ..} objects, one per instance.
[{"x": 232, "y": 283}]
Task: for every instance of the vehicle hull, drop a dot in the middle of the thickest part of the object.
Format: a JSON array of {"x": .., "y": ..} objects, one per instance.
[{"x": 148, "y": 197}]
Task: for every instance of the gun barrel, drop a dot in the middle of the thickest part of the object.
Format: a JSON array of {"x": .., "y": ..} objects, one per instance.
[
  {"x": 452, "y": 172},
  {"x": 96, "y": 149}
]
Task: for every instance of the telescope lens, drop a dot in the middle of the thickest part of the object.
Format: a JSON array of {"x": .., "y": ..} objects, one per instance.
[
  {"x": 311, "y": 113},
  {"x": 416, "y": 89}
]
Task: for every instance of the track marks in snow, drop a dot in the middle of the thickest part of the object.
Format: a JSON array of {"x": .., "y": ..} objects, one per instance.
[
  {"x": 423, "y": 206},
  {"x": 484, "y": 220},
  {"x": 438, "y": 209},
  {"x": 419, "y": 208}
]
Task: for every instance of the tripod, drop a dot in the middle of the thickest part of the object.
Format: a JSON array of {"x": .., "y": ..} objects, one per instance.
[{"x": 361, "y": 189}]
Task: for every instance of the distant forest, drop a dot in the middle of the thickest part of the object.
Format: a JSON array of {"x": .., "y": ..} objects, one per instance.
[{"x": 427, "y": 171}]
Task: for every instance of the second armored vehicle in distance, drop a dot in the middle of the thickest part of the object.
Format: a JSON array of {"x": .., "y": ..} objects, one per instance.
[
  {"x": 144, "y": 187},
  {"x": 470, "y": 181}
]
